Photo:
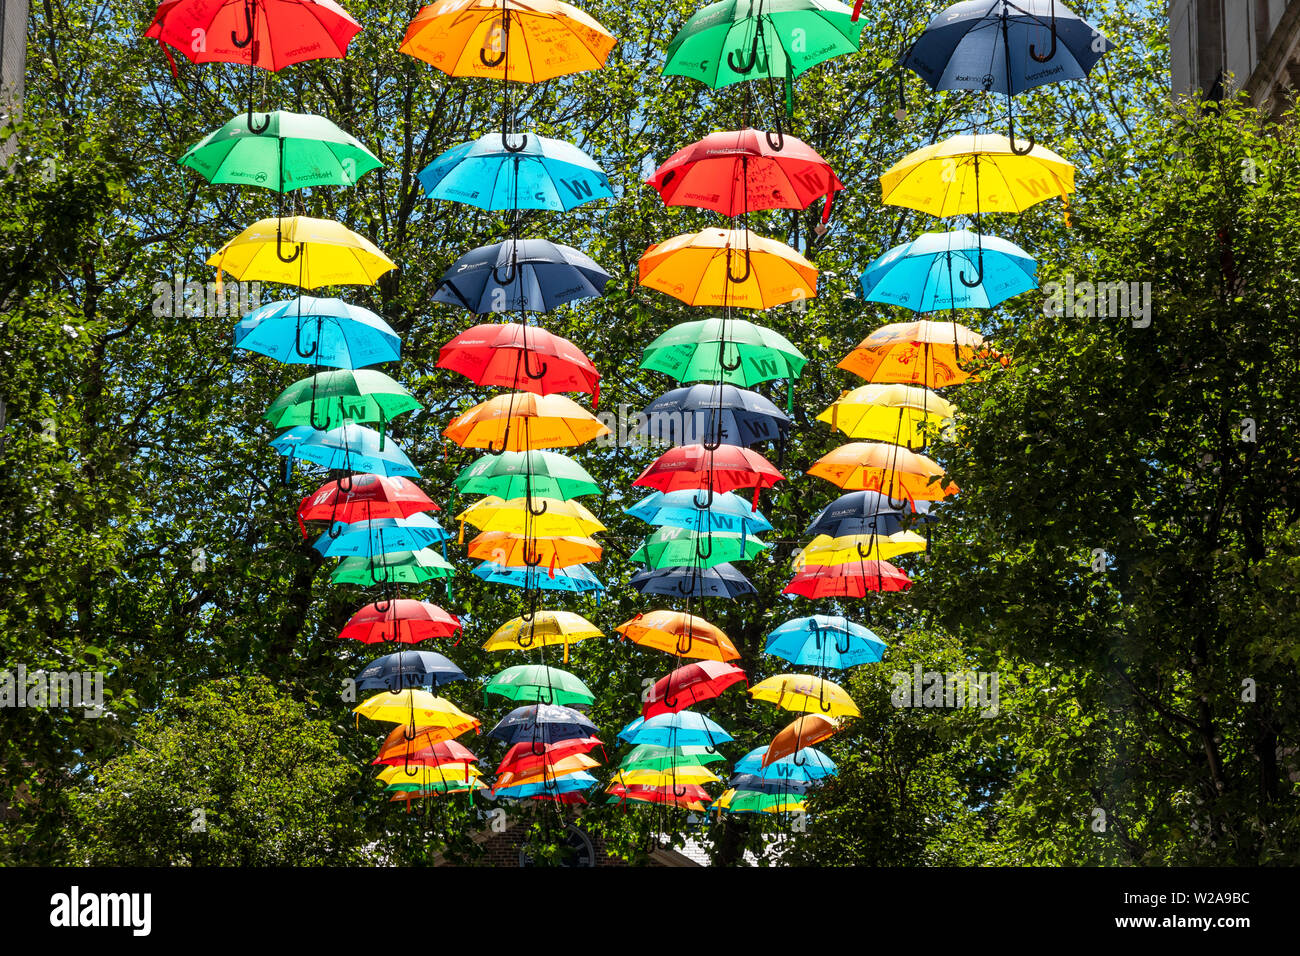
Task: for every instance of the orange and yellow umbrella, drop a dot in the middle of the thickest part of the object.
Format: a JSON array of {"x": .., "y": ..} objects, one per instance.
[
  {"x": 894, "y": 412},
  {"x": 728, "y": 267},
  {"x": 522, "y": 421},
  {"x": 679, "y": 634},
  {"x": 518, "y": 551},
  {"x": 924, "y": 353},
  {"x": 889, "y": 469}
]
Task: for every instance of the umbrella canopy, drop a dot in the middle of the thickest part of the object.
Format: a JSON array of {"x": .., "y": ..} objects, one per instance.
[
  {"x": 654, "y": 757},
  {"x": 868, "y": 512},
  {"x": 822, "y": 641},
  {"x": 972, "y": 174},
  {"x": 554, "y": 517},
  {"x": 674, "y": 547},
  {"x": 519, "y": 474},
  {"x": 363, "y": 497},
  {"x": 685, "y": 728},
  {"x": 716, "y": 469},
  {"x": 542, "y": 629},
  {"x": 690, "y": 685},
  {"x": 530, "y": 768},
  {"x": 892, "y": 470},
  {"x": 291, "y": 151},
  {"x": 520, "y": 358},
  {"x": 735, "y": 351},
  {"x": 901, "y": 414},
  {"x": 394, "y": 567},
  {"x": 380, "y": 536},
  {"x": 311, "y": 331},
  {"x": 301, "y": 251},
  {"x": 803, "y": 692},
  {"x": 520, "y": 275},
  {"x": 542, "y": 724},
  {"x": 753, "y": 801},
  {"x": 803, "y": 732},
  {"x": 534, "y": 40},
  {"x": 755, "y": 783},
  {"x": 419, "y": 707},
  {"x": 348, "y": 447},
  {"x": 742, "y": 170},
  {"x": 931, "y": 354},
  {"x": 681, "y": 509},
  {"x": 541, "y": 174},
  {"x": 846, "y": 580},
  {"x": 328, "y": 399},
  {"x": 812, "y": 765},
  {"x": 269, "y": 34},
  {"x": 442, "y": 754},
  {"x": 712, "y": 413},
  {"x": 576, "y": 579},
  {"x": 721, "y": 580},
  {"x": 537, "y": 682},
  {"x": 728, "y": 267},
  {"x": 522, "y": 421},
  {"x": 851, "y": 548},
  {"x": 523, "y": 757},
  {"x": 679, "y": 634},
  {"x": 408, "y": 669},
  {"x": 578, "y": 780},
  {"x": 692, "y": 796},
  {"x": 401, "y": 743},
  {"x": 516, "y": 550},
  {"x": 665, "y": 778},
  {"x": 401, "y": 620},
  {"x": 950, "y": 270}
]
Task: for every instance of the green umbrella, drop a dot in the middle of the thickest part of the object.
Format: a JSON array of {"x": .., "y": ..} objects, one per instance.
[
  {"x": 695, "y": 352},
  {"x": 678, "y": 547},
  {"x": 737, "y": 40},
  {"x": 397, "y": 567},
  {"x": 327, "y": 399},
  {"x": 506, "y": 476},
  {"x": 539, "y": 683},
  {"x": 651, "y": 757},
  {"x": 296, "y": 150},
  {"x": 754, "y": 801}
]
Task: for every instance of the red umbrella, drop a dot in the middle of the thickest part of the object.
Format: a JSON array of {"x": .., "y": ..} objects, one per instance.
[
  {"x": 647, "y": 794},
  {"x": 717, "y": 469},
  {"x": 400, "y": 620},
  {"x": 441, "y": 754},
  {"x": 689, "y": 685},
  {"x": 526, "y": 764},
  {"x": 847, "y": 580},
  {"x": 554, "y": 752},
  {"x": 739, "y": 170},
  {"x": 521, "y": 357},
  {"x": 362, "y": 497}
]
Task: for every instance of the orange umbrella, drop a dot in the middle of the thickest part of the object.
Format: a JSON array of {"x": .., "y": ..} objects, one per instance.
[
  {"x": 802, "y": 732},
  {"x": 918, "y": 353},
  {"x": 892, "y": 470},
  {"x": 547, "y": 771},
  {"x": 522, "y": 421},
  {"x": 517, "y": 550},
  {"x": 728, "y": 267},
  {"x": 679, "y": 634}
]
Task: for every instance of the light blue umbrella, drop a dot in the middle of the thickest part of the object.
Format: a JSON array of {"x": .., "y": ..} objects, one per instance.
[
  {"x": 682, "y": 729},
  {"x": 566, "y": 784},
  {"x": 677, "y": 509},
  {"x": 950, "y": 270},
  {"x": 312, "y": 331},
  {"x": 812, "y": 764},
  {"x": 349, "y": 447},
  {"x": 380, "y": 536},
  {"x": 575, "y": 578},
  {"x": 541, "y": 174},
  {"x": 822, "y": 641}
]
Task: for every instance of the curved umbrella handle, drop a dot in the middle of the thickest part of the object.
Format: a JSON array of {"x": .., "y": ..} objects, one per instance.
[
  {"x": 386, "y": 604},
  {"x": 534, "y": 559},
  {"x": 690, "y": 641},
  {"x": 248, "y": 25},
  {"x": 279, "y": 248},
  {"x": 704, "y": 555},
  {"x": 538, "y": 512},
  {"x": 529, "y": 372},
  {"x": 707, "y": 502},
  {"x": 501, "y": 54},
  {"x": 519, "y": 639},
  {"x": 779, "y": 143},
  {"x": 297, "y": 341},
  {"x": 510, "y": 276},
  {"x": 740, "y": 66},
  {"x": 532, "y": 748},
  {"x": 794, "y": 759},
  {"x": 722, "y": 356},
  {"x": 862, "y": 556},
  {"x": 335, "y": 529},
  {"x": 505, "y": 142},
  {"x": 1011, "y": 135},
  {"x": 848, "y": 642},
  {"x": 1051, "y": 52},
  {"x": 979, "y": 276},
  {"x": 822, "y": 702},
  {"x": 681, "y": 590},
  {"x": 550, "y": 695},
  {"x": 348, "y": 489},
  {"x": 671, "y": 704},
  {"x": 675, "y": 793},
  {"x": 744, "y": 275},
  {"x": 255, "y": 127}
]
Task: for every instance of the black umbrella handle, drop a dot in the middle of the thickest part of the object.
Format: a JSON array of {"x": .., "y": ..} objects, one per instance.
[
  {"x": 1052, "y": 51},
  {"x": 742, "y": 66},
  {"x": 249, "y": 6}
]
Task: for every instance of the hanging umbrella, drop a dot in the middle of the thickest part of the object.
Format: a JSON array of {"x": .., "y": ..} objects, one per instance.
[
  {"x": 754, "y": 783},
  {"x": 380, "y": 536},
  {"x": 542, "y": 629},
  {"x": 950, "y": 270},
  {"x": 537, "y": 682},
  {"x": 396, "y": 567},
  {"x": 846, "y": 580},
  {"x": 813, "y": 765},
  {"x": 694, "y": 796},
  {"x": 576, "y": 579},
  {"x": 401, "y": 743},
  {"x": 401, "y": 620},
  {"x": 712, "y": 413},
  {"x": 301, "y": 251},
  {"x": 429, "y": 777},
  {"x": 516, "y": 550},
  {"x": 654, "y": 757},
  {"x": 901, "y": 414},
  {"x": 685, "y": 728},
  {"x": 492, "y": 174},
  {"x": 522, "y": 758},
  {"x": 520, "y": 275},
  {"x": 751, "y": 801},
  {"x": 743, "y": 170},
  {"x": 850, "y": 548},
  {"x": 822, "y": 641},
  {"x": 522, "y": 421},
  {"x": 803, "y": 692},
  {"x": 328, "y": 399},
  {"x": 349, "y": 447},
  {"x": 868, "y": 512},
  {"x": 716, "y": 470},
  {"x": 679, "y": 634},
  {"x": 445, "y": 753},
  {"x": 292, "y": 151},
  {"x": 796, "y": 737},
  {"x": 924, "y": 353},
  {"x": 520, "y": 358},
  {"x": 541, "y": 786},
  {"x": 345, "y": 336},
  {"x": 671, "y": 547},
  {"x": 530, "y": 768},
  {"x": 523, "y": 40},
  {"x": 690, "y": 685},
  {"x": 728, "y": 267},
  {"x": 727, "y": 513},
  {"x": 892, "y": 470},
  {"x": 363, "y": 497},
  {"x": 554, "y": 517},
  {"x": 408, "y": 669},
  {"x": 734, "y": 350},
  {"x": 677, "y": 777},
  {"x": 721, "y": 580},
  {"x": 514, "y": 474},
  {"x": 542, "y": 724},
  {"x": 418, "y": 707}
]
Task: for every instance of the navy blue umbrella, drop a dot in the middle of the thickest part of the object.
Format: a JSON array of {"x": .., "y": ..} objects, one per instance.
[
  {"x": 752, "y": 781},
  {"x": 520, "y": 275},
  {"x": 721, "y": 580},
  {"x": 867, "y": 512},
  {"x": 542, "y": 723},
  {"x": 707, "y": 413},
  {"x": 408, "y": 669}
]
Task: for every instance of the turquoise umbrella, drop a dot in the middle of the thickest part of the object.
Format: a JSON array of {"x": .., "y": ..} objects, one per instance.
[
  {"x": 350, "y": 447},
  {"x": 314, "y": 331},
  {"x": 575, "y": 578},
  {"x": 380, "y": 536},
  {"x": 950, "y": 270}
]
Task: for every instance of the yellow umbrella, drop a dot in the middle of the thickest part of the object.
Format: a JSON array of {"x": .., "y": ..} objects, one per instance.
[
  {"x": 301, "y": 251},
  {"x": 522, "y": 421},
  {"x": 416, "y": 707},
  {"x": 681, "y": 776},
  {"x": 546, "y": 628},
  {"x": 544, "y": 516},
  {"x": 517, "y": 550},
  {"x": 536, "y": 40},
  {"x": 807, "y": 694},
  {"x": 825, "y": 550},
  {"x": 965, "y": 175},
  {"x": 893, "y": 412},
  {"x": 728, "y": 267},
  {"x": 889, "y": 469},
  {"x": 426, "y": 774}
]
